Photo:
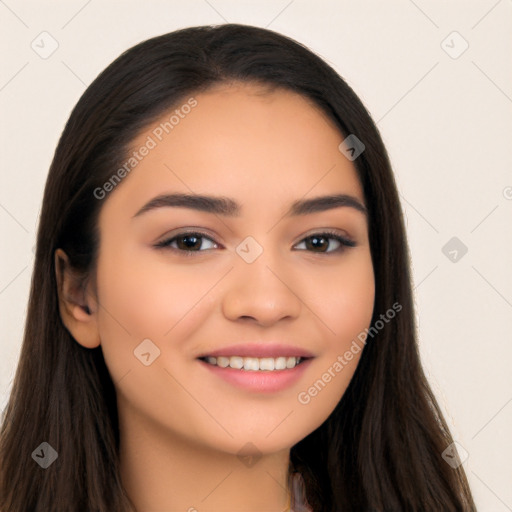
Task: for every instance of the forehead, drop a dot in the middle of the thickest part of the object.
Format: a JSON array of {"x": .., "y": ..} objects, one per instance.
[{"x": 240, "y": 140}]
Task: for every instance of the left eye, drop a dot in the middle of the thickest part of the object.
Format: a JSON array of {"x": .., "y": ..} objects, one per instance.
[
  {"x": 190, "y": 242},
  {"x": 319, "y": 240}
]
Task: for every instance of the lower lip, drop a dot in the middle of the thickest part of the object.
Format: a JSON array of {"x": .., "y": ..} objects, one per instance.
[{"x": 260, "y": 381}]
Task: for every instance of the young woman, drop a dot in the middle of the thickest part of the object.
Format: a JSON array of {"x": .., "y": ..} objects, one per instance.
[{"x": 221, "y": 315}]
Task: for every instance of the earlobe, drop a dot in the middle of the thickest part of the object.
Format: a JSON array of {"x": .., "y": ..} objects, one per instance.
[{"x": 75, "y": 303}]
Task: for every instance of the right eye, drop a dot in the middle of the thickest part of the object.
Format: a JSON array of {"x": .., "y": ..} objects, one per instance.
[{"x": 186, "y": 242}]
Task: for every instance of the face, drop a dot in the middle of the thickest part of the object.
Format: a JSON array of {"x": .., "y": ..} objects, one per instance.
[{"x": 191, "y": 282}]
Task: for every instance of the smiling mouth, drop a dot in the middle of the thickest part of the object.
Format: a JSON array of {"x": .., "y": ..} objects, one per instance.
[{"x": 268, "y": 364}]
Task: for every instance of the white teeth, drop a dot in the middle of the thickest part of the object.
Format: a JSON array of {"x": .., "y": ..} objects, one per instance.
[
  {"x": 290, "y": 362},
  {"x": 280, "y": 363},
  {"x": 250, "y": 364},
  {"x": 223, "y": 362},
  {"x": 266, "y": 363},
  {"x": 255, "y": 363}
]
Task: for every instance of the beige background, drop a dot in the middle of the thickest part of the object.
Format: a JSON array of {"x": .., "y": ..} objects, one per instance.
[{"x": 445, "y": 118}]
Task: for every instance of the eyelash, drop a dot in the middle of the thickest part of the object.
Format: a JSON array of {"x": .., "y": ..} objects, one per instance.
[{"x": 344, "y": 242}]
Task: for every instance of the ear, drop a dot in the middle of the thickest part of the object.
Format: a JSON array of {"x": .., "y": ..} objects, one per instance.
[{"x": 78, "y": 309}]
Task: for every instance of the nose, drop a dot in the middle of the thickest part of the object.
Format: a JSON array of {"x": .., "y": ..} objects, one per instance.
[{"x": 263, "y": 292}]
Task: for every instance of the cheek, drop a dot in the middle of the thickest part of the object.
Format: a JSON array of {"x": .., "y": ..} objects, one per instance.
[
  {"x": 345, "y": 304},
  {"x": 140, "y": 301},
  {"x": 147, "y": 299},
  {"x": 346, "y": 310}
]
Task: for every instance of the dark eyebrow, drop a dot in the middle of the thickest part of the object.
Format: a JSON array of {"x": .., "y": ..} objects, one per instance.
[
  {"x": 229, "y": 207},
  {"x": 323, "y": 203}
]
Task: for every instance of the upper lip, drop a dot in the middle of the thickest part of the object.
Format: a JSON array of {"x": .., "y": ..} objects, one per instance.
[{"x": 259, "y": 350}]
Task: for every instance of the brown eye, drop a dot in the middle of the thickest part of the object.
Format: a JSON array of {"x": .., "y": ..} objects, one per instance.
[
  {"x": 320, "y": 242},
  {"x": 189, "y": 242},
  {"x": 186, "y": 242}
]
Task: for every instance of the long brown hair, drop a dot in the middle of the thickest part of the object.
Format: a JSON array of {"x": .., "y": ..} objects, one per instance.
[{"x": 380, "y": 449}]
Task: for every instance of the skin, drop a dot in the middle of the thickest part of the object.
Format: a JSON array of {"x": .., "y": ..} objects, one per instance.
[{"x": 182, "y": 427}]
